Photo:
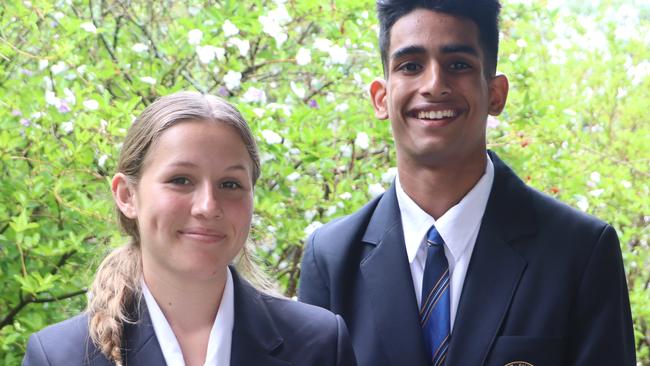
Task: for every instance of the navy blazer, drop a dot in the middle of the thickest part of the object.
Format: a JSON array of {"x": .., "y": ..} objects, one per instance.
[
  {"x": 267, "y": 331},
  {"x": 545, "y": 284}
]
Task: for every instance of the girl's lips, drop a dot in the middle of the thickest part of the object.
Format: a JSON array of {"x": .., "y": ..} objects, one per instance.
[{"x": 203, "y": 235}]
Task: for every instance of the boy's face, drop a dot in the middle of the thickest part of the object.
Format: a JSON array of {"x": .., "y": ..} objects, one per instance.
[{"x": 437, "y": 95}]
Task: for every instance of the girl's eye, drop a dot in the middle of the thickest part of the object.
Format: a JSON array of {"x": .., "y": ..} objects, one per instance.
[
  {"x": 181, "y": 181},
  {"x": 230, "y": 185}
]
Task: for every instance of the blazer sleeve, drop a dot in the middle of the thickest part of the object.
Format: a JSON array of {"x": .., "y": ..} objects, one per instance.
[
  {"x": 602, "y": 331},
  {"x": 345, "y": 353},
  {"x": 35, "y": 354},
  {"x": 312, "y": 289}
]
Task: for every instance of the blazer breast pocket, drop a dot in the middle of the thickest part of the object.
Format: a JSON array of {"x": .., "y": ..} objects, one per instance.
[{"x": 525, "y": 351}]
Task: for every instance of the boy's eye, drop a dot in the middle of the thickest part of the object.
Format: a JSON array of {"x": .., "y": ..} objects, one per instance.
[
  {"x": 459, "y": 65},
  {"x": 180, "y": 181},
  {"x": 410, "y": 67}
]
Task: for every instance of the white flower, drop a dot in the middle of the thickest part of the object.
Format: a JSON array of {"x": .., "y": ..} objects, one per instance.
[
  {"x": 582, "y": 202},
  {"x": 493, "y": 122},
  {"x": 266, "y": 157},
  {"x": 148, "y": 80},
  {"x": 330, "y": 210},
  {"x": 362, "y": 141},
  {"x": 303, "y": 57},
  {"x": 323, "y": 44},
  {"x": 389, "y": 175},
  {"x": 67, "y": 127},
  {"x": 596, "y": 192},
  {"x": 595, "y": 177},
  {"x": 58, "y": 15},
  {"x": 312, "y": 227},
  {"x": 272, "y": 25},
  {"x": 232, "y": 79},
  {"x": 626, "y": 184},
  {"x": 69, "y": 96},
  {"x": 299, "y": 90},
  {"x": 338, "y": 54},
  {"x": 521, "y": 43},
  {"x": 91, "y": 104},
  {"x": 208, "y": 53},
  {"x": 102, "y": 160},
  {"x": 51, "y": 99},
  {"x": 346, "y": 151},
  {"x": 254, "y": 95},
  {"x": 310, "y": 214},
  {"x": 271, "y": 137},
  {"x": 42, "y": 64},
  {"x": 345, "y": 196},
  {"x": 342, "y": 107},
  {"x": 243, "y": 45},
  {"x": 375, "y": 189},
  {"x": 639, "y": 72},
  {"x": 139, "y": 47},
  {"x": 280, "y": 14},
  {"x": 229, "y": 29},
  {"x": 194, "y": 36},
  {"x": 89, "y": 27},
  {"x": 293, "y": 177},
  {"x": 58, "y": 68},
  {"x": 259, "y": 112}
]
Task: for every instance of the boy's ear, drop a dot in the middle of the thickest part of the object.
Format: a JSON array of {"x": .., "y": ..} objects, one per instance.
[
  {"x": 378, "y": 98},
  {"x": 498, "y": 94},
  {"x": 124, "y": 195}
]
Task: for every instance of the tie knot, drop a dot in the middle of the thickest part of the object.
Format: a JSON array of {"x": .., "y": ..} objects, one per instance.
[{"x": 433, "y": 237}]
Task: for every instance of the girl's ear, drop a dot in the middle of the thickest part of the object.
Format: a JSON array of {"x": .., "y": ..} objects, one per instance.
[{"x": 124, "y": 195}]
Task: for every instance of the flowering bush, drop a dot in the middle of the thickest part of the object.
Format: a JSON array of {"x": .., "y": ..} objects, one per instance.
[{"x": 74, "y": 74}]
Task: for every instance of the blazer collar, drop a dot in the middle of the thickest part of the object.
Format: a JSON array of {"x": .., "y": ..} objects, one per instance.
[
  {"x": 495, "y": 267},
  {"x": 255, "y": 339},
  {"x": 142, "y": 347},
  {"x": 255, "y": 336},
  {"x": 388, "y": 280}
]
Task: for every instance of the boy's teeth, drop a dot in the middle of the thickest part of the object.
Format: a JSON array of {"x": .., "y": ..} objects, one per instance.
[{"x": 437, "y": 114}]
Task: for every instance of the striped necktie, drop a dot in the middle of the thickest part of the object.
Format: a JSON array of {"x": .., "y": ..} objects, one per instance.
[{"x": 434, "y": 309}]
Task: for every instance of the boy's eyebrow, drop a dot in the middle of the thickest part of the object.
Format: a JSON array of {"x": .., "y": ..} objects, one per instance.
[
  {"x": 459, "y": 48},
  {"x": 406, "y": 51},
  {"x": 448, "y": 48}
]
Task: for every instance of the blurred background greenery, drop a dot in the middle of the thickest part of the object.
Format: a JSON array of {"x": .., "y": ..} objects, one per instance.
[{"x": 73, "y": 74}]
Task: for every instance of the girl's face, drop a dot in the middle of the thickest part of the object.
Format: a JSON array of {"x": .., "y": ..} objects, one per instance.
[{"x": 194, "y": 200}]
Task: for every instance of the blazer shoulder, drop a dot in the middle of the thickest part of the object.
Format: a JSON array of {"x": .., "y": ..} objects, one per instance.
[
  {"x": 563, "y": 217},
  {"x": 347, "y": 228},
  {"x": 63, "y": 343},
  {"x": 308, "y": 320}
]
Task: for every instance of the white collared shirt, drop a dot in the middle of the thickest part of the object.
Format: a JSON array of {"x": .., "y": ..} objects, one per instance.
[
  {"x": 458, "y": 227},
  {"x": 220, "y": 340}
]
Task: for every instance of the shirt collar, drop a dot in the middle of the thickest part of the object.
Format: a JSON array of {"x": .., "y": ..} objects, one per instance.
[
  {"x": 220, "y": 341},
  {"x": 455, "y": 226}
]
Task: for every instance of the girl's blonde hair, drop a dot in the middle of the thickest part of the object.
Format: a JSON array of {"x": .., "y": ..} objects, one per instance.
[{"x": 116, "y": 287}]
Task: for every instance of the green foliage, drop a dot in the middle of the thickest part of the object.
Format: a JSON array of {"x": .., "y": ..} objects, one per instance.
[{"x": 73, "y": 74}]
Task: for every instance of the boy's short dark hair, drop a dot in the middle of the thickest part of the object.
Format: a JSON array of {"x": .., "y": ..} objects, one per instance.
[{"x": 484, "y": 13}]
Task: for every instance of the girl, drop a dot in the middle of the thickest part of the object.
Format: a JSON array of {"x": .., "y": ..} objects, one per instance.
[{"x": 184, "y": 193}]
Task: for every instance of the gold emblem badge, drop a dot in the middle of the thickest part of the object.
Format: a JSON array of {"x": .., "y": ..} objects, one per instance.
[{"x": 519, "y": 363}]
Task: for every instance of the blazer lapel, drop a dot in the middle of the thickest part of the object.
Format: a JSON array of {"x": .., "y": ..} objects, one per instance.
[
  {"x": 387, "y": 275},
  {"x": 494, "y": 270},
  {"x": 142, "y": 347},
  {"x": 254, "y": 337}
]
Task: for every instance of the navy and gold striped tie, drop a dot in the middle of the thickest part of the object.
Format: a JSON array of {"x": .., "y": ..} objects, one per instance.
[{"x": 434, "y": 308}]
